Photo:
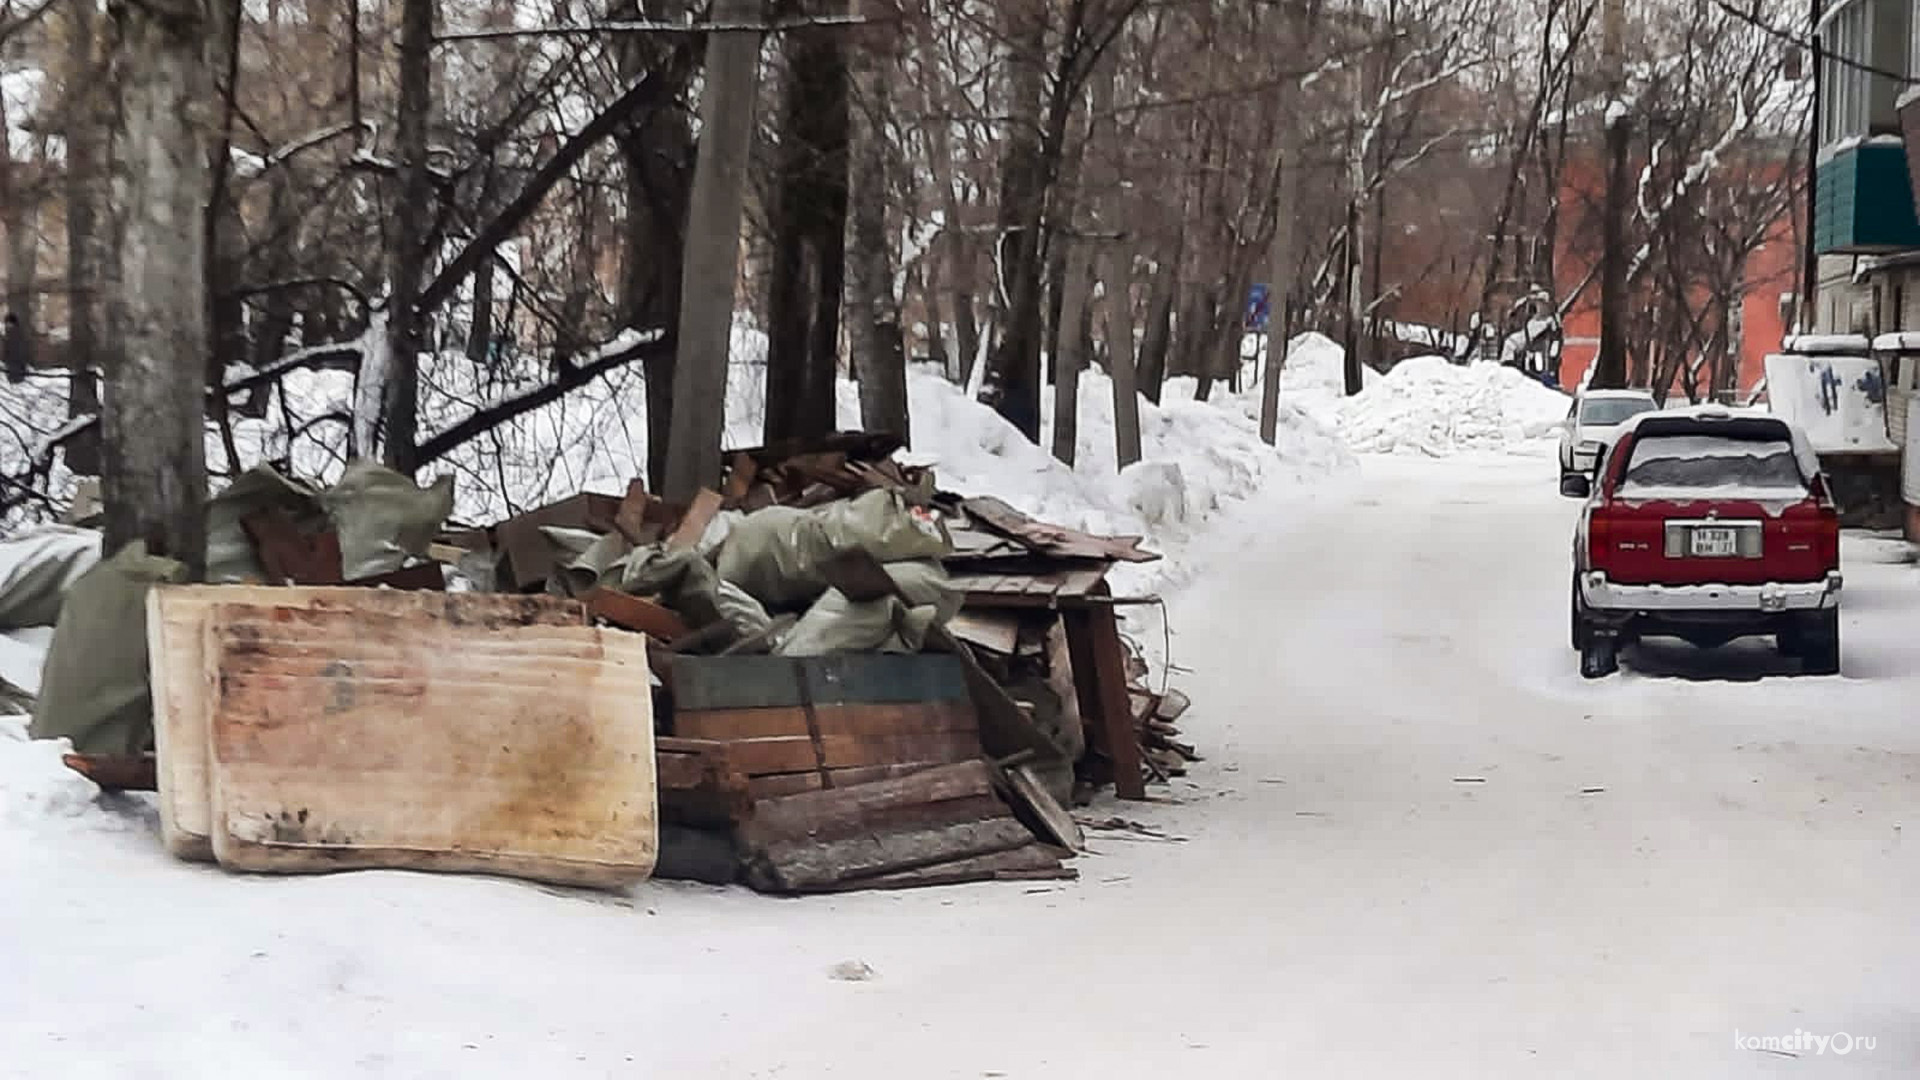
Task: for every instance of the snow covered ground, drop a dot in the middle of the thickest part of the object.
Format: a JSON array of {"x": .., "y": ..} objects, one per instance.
[{"x": 1422, "y": 845}]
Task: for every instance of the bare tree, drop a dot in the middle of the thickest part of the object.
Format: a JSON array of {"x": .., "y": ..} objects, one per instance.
[
  {"x": 154, "y": 480},
  {"x": 398, "y": 385},
  {"x": 875, "y": 340},
  {"x": 809, "y": 237}
]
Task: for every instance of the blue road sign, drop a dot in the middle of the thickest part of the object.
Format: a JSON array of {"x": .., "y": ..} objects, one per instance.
[{"x": 1259, "y": 307}]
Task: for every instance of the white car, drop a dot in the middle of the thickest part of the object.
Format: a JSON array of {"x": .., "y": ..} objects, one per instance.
[{"x": 1593, "y": 421}]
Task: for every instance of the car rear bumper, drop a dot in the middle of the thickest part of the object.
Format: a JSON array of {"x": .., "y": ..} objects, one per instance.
[{"x": 1601, "y": 594}]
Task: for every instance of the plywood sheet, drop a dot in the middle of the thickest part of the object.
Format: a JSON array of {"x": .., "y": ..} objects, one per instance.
[
  {"x": 344, "y": 739},
  {"x": 183, "y": 679}
]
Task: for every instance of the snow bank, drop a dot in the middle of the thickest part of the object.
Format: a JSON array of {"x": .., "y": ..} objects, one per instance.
[
  {"x": 1433, "y": 406},
  {"x": 1197, "y": 460}
]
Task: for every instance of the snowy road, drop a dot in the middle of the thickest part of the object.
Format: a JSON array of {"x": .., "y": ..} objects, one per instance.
[{"x": 1422, "y": 846}]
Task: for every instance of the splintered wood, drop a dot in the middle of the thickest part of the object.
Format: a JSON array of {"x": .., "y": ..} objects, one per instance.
[
  {"x": 346, "y": 729},
  {"x": 937, "y": 826}
]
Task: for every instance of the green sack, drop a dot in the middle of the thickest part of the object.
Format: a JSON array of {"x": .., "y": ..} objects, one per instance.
[
  {"x": 93, "y": 689},
  {"x": 37, "y": 569}
]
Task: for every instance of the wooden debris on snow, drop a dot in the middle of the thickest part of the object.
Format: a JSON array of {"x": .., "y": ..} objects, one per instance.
[
  {"x": 937, "y": 826},
  {"x": 797, "y": 724}
]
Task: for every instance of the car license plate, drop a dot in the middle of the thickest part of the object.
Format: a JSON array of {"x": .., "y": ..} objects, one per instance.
[{"x": 1714, "y": 543}]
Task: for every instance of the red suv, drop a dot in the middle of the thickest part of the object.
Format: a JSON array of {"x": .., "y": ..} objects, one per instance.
[{"x": 1706, "y": 525}]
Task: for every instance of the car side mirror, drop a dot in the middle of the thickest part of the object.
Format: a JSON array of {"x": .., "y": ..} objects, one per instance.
[{"x": 1576, "y": 485}]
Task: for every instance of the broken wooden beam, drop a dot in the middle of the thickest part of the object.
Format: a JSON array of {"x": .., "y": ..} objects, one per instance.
[
  {"x": 1099, "y": 668},
  {"x": 638, "y": 614},
  {"x": 116, "y": 773}
]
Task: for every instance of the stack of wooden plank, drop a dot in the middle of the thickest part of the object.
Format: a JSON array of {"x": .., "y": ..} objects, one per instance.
[
  {"x": 305, "y": 730},
  {"x": 785, "y": 726},
  {"x": 803, "y": 473},
  {"x": 937, "y": 826}
]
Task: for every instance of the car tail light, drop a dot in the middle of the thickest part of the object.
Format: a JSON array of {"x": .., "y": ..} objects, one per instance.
[{"x": 1599, "y": 538}]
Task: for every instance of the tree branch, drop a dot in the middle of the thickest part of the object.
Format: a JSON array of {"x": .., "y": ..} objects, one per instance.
[{"x": 569, "y": 379}]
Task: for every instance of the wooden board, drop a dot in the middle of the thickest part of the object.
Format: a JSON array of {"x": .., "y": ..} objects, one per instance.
[
  {"x": 134, "y": 773},
  {"x": 699, "y": 786},
  {"x": 1054, "y": 540},
  {"x": 636, "y": 613},
  {"x": 1100, "y": 669},
  {"x": 1053, "y": 821},
  {"x": 780, "y": 785},
  {"x": 932, "y": 717},
  {"x": 804, "y": 865},
  {"x": 693, "y": 524},
  {"x": 1029, "y": 863},
  {"x": 529, "y": 554},
  {"x": 788, "y": 754},
  {"x": 706, "y": 683},
  {"x": 994, "y": 631},
  {"x": 358, "y": 739},
  {"x": 859, "y": 808},
  {"x": 181, "y": 680}
]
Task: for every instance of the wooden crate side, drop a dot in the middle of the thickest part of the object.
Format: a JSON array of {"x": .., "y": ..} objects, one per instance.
[
  {"x": 883, "y": 678},
  {"x": 937, "y": 717},
  {"x": 780, "y": 785}
]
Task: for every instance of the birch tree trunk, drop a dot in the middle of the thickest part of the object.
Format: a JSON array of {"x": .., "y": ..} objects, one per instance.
[
  {"x": 874, "y": 336},
  {"x": 155, "y": 480},
  {"x": 712, "y": 262}
]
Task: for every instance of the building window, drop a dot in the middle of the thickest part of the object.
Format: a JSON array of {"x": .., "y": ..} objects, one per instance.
[{"x": 1846, "y": 86}]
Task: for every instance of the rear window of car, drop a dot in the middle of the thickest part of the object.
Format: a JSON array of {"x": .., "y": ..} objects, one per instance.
[
  {"x": 1696, "y": 464},
  {"x": 1606, "y": 412}
]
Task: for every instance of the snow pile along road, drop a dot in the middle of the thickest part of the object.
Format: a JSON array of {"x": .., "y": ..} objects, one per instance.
[
  {"x": 1198, "y": 459},
  {"x": 1432, "y": 406}
]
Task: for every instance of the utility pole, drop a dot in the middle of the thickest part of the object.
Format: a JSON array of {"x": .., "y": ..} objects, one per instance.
[
  {"x": 711, "y": 262},
  {"x": 1610, "y": 367}
]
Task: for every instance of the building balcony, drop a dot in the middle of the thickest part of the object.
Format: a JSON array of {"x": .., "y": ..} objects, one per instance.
[{"x": 1864, "y": 202}]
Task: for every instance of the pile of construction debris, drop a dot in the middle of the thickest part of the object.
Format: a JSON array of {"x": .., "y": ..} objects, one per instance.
[{"x": 855, "y": 679}]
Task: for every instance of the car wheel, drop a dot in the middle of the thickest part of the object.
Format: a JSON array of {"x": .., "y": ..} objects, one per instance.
[
  {"x": 1581, "y": 629},
  {"x": 1820, "y": 644},
  {"x": 1600, "y": 656}
]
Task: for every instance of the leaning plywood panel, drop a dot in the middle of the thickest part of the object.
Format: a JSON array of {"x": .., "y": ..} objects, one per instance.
[
  {"x": 182, "y": 674},
  {"x": 349, "y": 739}
]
